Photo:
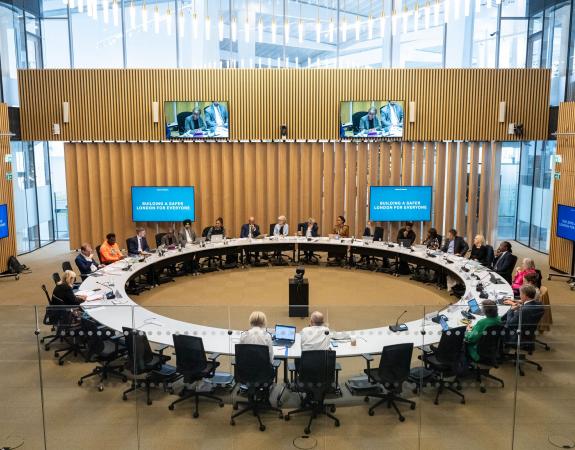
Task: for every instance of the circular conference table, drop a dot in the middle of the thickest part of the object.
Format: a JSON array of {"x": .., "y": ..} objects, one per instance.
[{"x": 122, "y": 311}]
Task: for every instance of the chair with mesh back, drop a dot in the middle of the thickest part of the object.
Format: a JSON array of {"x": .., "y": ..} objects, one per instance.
[
  {"x": 194, "y": 366},
  {"x": 488, "y": 349},
  {"x": 51, "y": 317},
  {"x": 56, "y": 277},
  {"x": 392, "y": 372}
]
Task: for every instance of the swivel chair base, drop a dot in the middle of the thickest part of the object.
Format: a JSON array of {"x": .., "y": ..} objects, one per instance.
[
  {"x": 103, "y": 372},
  {"x": 481, "y": 373},
  {"x": 315, "y": 410},
  {"x": 256, "y": 408},
  {"x": 389, "y": 400},
  {"x": 193, "y": 393}
]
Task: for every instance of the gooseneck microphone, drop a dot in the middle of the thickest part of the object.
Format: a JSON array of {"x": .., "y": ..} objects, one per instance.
[
  {"x": 109, "y": 295},
  {"x": 399, "y": 326}
]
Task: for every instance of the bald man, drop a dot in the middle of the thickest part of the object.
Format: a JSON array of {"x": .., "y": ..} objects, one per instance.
[
  {"x": 316, "y": 335},
  {"x": 250, "y": 230}
]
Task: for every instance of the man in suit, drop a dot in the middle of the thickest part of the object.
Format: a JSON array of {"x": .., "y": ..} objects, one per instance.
[
  {"x": 250, "y": 230},
  {"x": 504, "y": 261},
  {"x": 170, "y": 239},
  {"x": 138, "y": 245},
  {"x": 216, "y": 116},
  {"x": 527, "y": 310},
  {"x": 407, "y": 232},
  {"x": 454, "y": 245},
  {"x": 86, "y": 262},
  {"x": 187, "y": 235},
  {"x": 391, "y": 117},
  {"x": 369, "y": 121},
  {"x": 194, "y": 122},
  {"x": 309, "y": 229}
]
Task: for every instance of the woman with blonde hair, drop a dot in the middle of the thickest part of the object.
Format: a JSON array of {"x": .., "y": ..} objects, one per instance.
[
  {"x": 63, "y": 293},
  {"x": 258, "y": 334},
  {"x": 479, "y": 250}
]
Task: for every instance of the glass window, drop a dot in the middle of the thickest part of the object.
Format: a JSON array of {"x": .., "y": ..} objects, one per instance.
[
  {"x": 56, "y": 44},
  {"x": 484, "y": 38},
  {"x": 10, "y": 51},
  {"x": 510, "y": 155},
  {"x": 555, "y": 48},
  {"x": 513, "y": 8},
  {"x": 542, "y": 208},
  {"x": 525, "y": 192},
  {"x": 58, "y": 185},
  {"x": 513, "y": 44},
  {"x": 96, "y": 43}
]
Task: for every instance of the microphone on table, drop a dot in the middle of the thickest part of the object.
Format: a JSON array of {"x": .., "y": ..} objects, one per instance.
[
  {"x": 399, "y": 326},
  {"x": 109, "y": 295}
]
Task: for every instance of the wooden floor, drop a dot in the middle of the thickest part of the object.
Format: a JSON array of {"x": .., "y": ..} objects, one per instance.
[{"x": 525, "y": 413}]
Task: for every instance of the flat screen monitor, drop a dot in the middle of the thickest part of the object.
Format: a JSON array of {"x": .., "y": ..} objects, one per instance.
[
  {"x": 400, "y": 203},
  {"x": 566, "y": 222},
  {"x": 196, "y": 119},
  {"x": 162, "y": 203},
  {"x": 371, "y": 119},
  {"x": 3, "y": 221}
]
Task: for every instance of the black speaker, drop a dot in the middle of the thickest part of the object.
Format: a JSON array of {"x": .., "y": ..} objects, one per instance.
[{"x": 298, "y": 298}]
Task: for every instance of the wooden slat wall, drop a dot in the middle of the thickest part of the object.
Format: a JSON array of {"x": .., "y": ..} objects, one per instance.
[
  {"x": 561, "y": 250},
  {"x": 7, "y": 245},
  {"x": 240, "y": 179},
  {"x": 116, "y": 104}
]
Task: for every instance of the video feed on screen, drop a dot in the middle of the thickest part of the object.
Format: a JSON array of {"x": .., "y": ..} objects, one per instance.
[
  {"x": 196, "y": 120},
  {"x": 371, "y": 119}
]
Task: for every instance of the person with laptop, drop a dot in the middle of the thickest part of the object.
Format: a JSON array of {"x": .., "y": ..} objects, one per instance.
[
  {"x": 406, "y": 233},
  {"x": 250, "y": 230},
  {"x": 474, "y": 332},
  {"x": 316, "y": 335},
  {"x": 258, "y": 334},
  {"x": 217, "y": 230}
]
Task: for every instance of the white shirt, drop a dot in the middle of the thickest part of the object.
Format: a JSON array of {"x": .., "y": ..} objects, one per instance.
[
  {"x": 393, "y": 115},
  {"x": 93, "y": 266},
  {"x": 315, "y": 338},
  {"x": 258, "y": 336},
  {"x": 188, "y": 236},
  {"x": 139, "y": 244},
  {"x": 308, "y": 231}
]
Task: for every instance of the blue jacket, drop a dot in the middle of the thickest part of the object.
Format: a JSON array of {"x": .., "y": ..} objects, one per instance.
[
  {"x": 84, "y": 266},
  {"x": 245, "y": 231}
]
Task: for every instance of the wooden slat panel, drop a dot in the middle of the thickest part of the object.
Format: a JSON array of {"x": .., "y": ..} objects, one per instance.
[
  {"x": 484, "y": 188},
  {"x": 428, "y": 177},
  {"x": 338, "y": 185},
  {"x": 351, "y": 186},
  {"x": 438, "y": 197},
  {"x": 452, "y": 104},
  {"x": 494, "y": 188},
  {"x": 450, "y": 185},
  {"x": 473, "y": 194},
  {"x": 362, "y": 181},
  {"x": 316, "y": 181},
  {"x": 328, "y": 191}
]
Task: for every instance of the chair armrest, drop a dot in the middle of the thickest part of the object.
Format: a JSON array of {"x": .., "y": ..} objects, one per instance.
[
  {"x": 276, "y": 363},
  {"x": 367, "y": 356},
  {"x": 214, "y": 356},
  {"x": 162, "y": 348}
]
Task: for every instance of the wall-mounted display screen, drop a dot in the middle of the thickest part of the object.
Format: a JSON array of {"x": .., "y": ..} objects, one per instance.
[
  {"x": 371, "y": 119},
  {"x": 566, "y": 222},
  {"x": 3, "y": 221},
  {"x": 196, "y": 120},
  {"x": 162, "y": 203},
  {"x": 400, "y": 203}
]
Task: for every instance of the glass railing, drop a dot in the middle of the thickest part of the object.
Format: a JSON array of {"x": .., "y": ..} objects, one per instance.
[{"x": 49, "y": 405}]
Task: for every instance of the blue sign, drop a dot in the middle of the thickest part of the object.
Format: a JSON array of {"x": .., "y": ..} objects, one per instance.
[
  {"x": 3, "y": 221},
  {"x": 400, "y": 203},
  {"x": 162, "y": 203},
  {"x": 566, "y": 222}
]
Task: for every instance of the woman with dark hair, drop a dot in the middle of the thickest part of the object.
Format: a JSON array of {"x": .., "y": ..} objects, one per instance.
[
  {"x": 218, "y": 228},
  {"x": 433, "y": 240},
  {"x": 340, "y": 228},
  {"x": 474, "y": 333}
]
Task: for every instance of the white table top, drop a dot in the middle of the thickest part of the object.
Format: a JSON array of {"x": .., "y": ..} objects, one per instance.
[{"x": 124, "y": 312}]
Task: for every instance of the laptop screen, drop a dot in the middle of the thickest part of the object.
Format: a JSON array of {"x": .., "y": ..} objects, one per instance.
[
  {"x": 474, "y": 306},
  {"x": 285, "y": 333}
]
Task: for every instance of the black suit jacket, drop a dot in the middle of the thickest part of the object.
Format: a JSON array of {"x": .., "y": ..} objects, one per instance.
[
  {"x": 530, "y": 314},
  {"x": 459, "y": 247},
  {"x": 504, "y": 264},
  {"x": 304, "y": 227},
  {"x": 133, "y": 245},
  {"x": 245, "y": 231}
]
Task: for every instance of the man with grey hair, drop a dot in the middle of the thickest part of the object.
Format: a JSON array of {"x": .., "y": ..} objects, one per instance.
[
  {"x": 526, "y": 311},
  {"x": 369, "y": 121},
  {"x": 194, "y": 122},
  {"x": 316, "y": 335}
]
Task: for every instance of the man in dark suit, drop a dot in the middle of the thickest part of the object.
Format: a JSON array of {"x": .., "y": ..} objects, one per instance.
[
  {"x": 308, "y": 229},
  {"x": 407, "y": 232},
  {"x": 250, "y": 230},
  {"x": 86, "y": 262},
  {"x": 504, "y": 261},
  {"x": 454, "y": 245},
  {"x": 138, "y": 245},
  {"x": 527, "y": 311},
  {"x": 369, "y": 121}
]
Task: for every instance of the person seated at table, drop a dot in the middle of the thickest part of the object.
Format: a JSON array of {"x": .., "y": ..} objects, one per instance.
[
  {"x": 370, "y": 122},
  {"x": 391, "y": 117},
  {"x": 475, "y": 332},
  {"x": 281, "y": 228},
  {"x": 218, "y": 228},
  {"x": 250, "y": 230},
  {"x": 432, "y": 240},
  {"x": 85, "y": 261},
  {"x": 340, "y": 228},
  {"x": 532, "y": 279},
  {"x": 187, "y": 234},
  {"x": 527, "y": 267},
  {"x": 369, "y": 229},
  {"x": 406, "y": 232},
  {"x": 526, "y": 311},
  {"x": 63, "y": 293},
  {"x": 504, "y": 261},
  {"x": 216, "y": 116},
  {"x": 479, "y": 250},
  {"x": 258, "y": 334},
  {"x": 194, "y": 122},
  {"x": 138, "y": 244},
  {"x": 308, "y": 229},
  {"x": 110, "y": 250},
  {"x": 170, "y": 239},
  {"x": 454, "y": 245},
  {"x": 316, "y": 335}
]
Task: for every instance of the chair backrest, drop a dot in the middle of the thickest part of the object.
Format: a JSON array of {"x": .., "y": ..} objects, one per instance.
[
  {"x": 544, "y": 295},
  {"x": 378, "y": 234},
  {"x": 301, "y": 226},
  {"x": 56, "y": 277},
  {"x": 190, "y": 357},
  {"x": 395, "y": 364},
  {"x": 95, "y": 338},
  {"x": 253, "y": 366},
  {"x": 272, "y": 226},
  {"x": 450, "y": 346},
  {"x": 490, "y": 255},
  {"x": 98, "y": 253},
  {"x": 465, "y": 248},
  {"x": 316, "y": 374},
  {"x": 355, "y": 119},
  {"x": 159, "y": 237},
  {"x": 139, "y": 350},
  {"x": 489, "y": 345},
  {"x": 181, "y": 119},
  {"x": 66, "y": 266},
  {"x": 45, "y": 289},
  {"x": 539, "y": 278},
  {"x": 205, "y": 232}
]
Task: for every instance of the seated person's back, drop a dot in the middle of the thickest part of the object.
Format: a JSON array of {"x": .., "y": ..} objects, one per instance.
[
  {"x": 316, "y": 335},
  {"x": 257, "y": 334}
]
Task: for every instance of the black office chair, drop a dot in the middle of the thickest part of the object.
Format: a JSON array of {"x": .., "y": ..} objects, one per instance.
[
  {"x": 316, "y": 377},
  {"x": 490, "y": 256},
  {"x": 443, "y": 361},
  {"x": 194, "y": 366},
  {"x": 518, "y": 348},
  {"x": 181, "y": 119},
  {"x": 539, "y": 278},
  {"x": 56, "y": 277},
  {"x": 310, "y": 257},
  {"x": 66, "y": 266},
  {"x": 392, "y": 372},
  {"x": 488, "y": 348},
  {"x": 145, "y": 366},
  {"x": 209, "y": 264},
  {"x": 254, "y": 370},
  {"x": 68, "y": 328},
  {"x": 158, "y": 238},
  {"x": 98, "y": 254},
  {"x": 104, "y": 347},
  {"x": 355, "y": 119},
  {"x": 51, "y": 317},
  {"x": 279, "y": 259}
]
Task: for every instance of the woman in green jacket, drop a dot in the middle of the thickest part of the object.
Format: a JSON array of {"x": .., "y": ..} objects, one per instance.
[{"x": 474, "y": 333}]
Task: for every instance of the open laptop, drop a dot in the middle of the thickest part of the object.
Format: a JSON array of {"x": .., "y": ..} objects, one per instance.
[
  {"x": 367, "y": 238},
  {"x": 217, "y": 238},
  {"x": 284, "y": 335},
  {"x": 474, "y": 307}
]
